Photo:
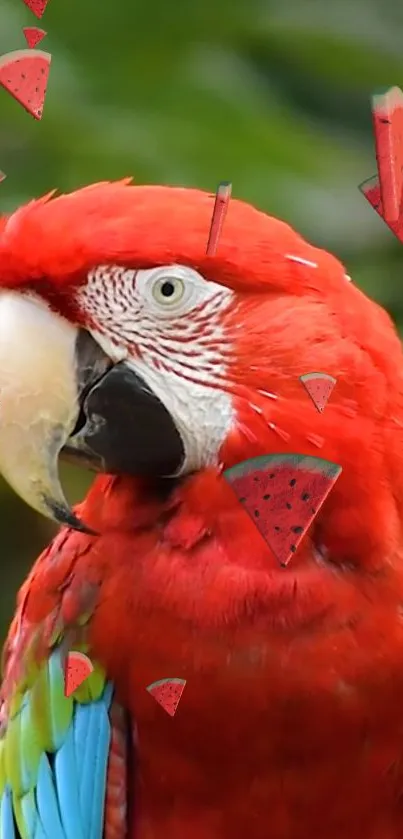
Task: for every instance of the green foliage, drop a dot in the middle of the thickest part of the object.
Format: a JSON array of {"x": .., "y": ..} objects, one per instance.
[{"x": 273, "y": 97}]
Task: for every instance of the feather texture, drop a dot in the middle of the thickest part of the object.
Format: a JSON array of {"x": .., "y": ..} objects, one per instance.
[{"x": 54, "y": 758}]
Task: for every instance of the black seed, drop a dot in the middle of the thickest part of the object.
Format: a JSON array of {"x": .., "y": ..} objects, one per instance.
[
  {"x": 242, "y": 500},
  {"x": 257, "y": 514},
  {"x": 256, "y": 480},
  {"x": 277, "y": 528},
  {"x": 297, "y": 529},
  {"x": 266, "y": 497},
  {"x": 293, "y": 482},
  {"x": 272, "y": 475},
  {"x": 305, "y": 496},
  {"x": 386, "y": 121},
  {"x": 313, "y": 511},
  {"x": 293, "y": 548},
  {"x": 289, "y": 506}
]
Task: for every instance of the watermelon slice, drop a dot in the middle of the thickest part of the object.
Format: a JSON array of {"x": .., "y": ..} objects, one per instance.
[
  {"x": 37, "y": 6},
  {"x": 372, "y": 192},
  {"x": 77, "y": 668},
  {"x": 283, "y": 493},
  {"x": 387, "y": 115},
  {"x": 33, "y": 35},
  {"x": 167, "y": 693},
  {"x": 24, "y": 74},
  {"x": 319, "y": 386}
]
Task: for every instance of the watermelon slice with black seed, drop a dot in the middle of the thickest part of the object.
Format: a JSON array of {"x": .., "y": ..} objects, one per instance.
[
  {"x": 37, "y": 6},
  {"x": 24, "y": 74},
  {"x": 33, "y": 35},
  {"x": 283, "y": 493},
  {"x": 387, "y": 116},
  {"x": 77, "y": 669},
  {"x": 167, "y": 692},
  {"x": 319, "y": 386}
]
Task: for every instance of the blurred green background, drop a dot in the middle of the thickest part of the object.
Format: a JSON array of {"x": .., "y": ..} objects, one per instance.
[{"x": 274, "y": 97}]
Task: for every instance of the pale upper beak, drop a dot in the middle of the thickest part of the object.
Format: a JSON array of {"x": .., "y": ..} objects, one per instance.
[
  {"x": 39, "y": 404},
  {"x": 55, "y": 380}
]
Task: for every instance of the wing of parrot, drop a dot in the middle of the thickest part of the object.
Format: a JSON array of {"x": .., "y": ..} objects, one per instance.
[{"x": 62, "y": 760}]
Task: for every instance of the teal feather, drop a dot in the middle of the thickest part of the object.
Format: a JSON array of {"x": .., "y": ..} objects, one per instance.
[
  {"x": 92, "y": 722},
  {"x": 47, "y": 803},
  {"x": 66, "y": 770},
  {"x": 39, "y": 831},
  {"x": 7, "y": 829}
]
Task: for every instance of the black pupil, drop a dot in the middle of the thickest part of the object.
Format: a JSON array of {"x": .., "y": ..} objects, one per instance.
[{"x": 167, "y": 288}]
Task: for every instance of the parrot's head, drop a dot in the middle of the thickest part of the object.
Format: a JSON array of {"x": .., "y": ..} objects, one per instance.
[{"x": 124, "y": 346}]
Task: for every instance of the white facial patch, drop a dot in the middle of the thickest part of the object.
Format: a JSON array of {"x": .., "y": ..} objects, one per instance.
[{"x": 167, "y": 324}]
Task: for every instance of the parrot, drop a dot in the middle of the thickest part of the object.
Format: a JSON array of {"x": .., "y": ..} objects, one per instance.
[{"x": 129, "y": 351}]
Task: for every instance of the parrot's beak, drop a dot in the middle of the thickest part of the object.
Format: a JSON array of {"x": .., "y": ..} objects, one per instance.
[{"x": 61, "y": 395}]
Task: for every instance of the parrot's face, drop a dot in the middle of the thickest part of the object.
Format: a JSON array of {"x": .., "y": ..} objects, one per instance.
[
  {"x": 137, "y": 392},
  {"x": 123, "y": 346}
]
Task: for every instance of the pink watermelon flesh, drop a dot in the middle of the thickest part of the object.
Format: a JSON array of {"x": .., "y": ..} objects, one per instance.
[
  {"x": 387, "y": 115},
  {"x": 76, "y": 670},
  {"x": 25, "y": 74},
  {"x": 33, "y": 35},
  {"x": 372, "y": 192},
  {"x": 319, "y": 386},
  {"x": 37, "y": 6},
  {"x": 167, "y": 692},
  {"x": 282, "y": 493}
]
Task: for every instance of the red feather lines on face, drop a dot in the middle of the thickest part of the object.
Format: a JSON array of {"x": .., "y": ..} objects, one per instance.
[{"x": 192, "y": 346}]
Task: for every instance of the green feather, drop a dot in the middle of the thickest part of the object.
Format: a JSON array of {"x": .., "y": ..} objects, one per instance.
[
  {"x": 92, "y": 688},
  {"x": 3, "y": 774},
  {"x": 12, "y": 755}
]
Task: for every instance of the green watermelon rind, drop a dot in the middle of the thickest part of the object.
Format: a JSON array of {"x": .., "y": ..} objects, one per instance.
[
  {"x": 19, "y": 55},
  {"x": 162, "y": 682},
  {"x": 301, "y": 462},
  {"x": 383, "y": 97},
  {"x": 308, "y": 377}
]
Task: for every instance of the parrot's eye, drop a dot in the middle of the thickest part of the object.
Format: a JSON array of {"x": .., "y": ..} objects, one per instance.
[{"x": 168, "y": 290}]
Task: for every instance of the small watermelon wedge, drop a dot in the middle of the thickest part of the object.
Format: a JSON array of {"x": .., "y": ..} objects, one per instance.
[
  {"x": 24, "y": 74},
  {"x": 167, "y": 692},
  {"x": 319, "y": 387},
  {"x": 372, "y": 192},
  {"x": 37, "y": 7},
  {"x": 77, "y": 669},
  {"x": 33, "y": 36},
  {"x": 283, "y": 493},
  {"x": 387, "y": 116}
]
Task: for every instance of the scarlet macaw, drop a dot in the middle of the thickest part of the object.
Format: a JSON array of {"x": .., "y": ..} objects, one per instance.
[{"x": 124, "y": 347}]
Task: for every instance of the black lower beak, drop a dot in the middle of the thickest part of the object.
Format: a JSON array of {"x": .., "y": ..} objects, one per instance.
[{"x": 125, "y": 429}]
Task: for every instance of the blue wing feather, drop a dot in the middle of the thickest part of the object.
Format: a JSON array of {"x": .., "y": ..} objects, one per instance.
[
  {"x": 7, "y": 829},
  {"x": 47, "y": 803}
]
